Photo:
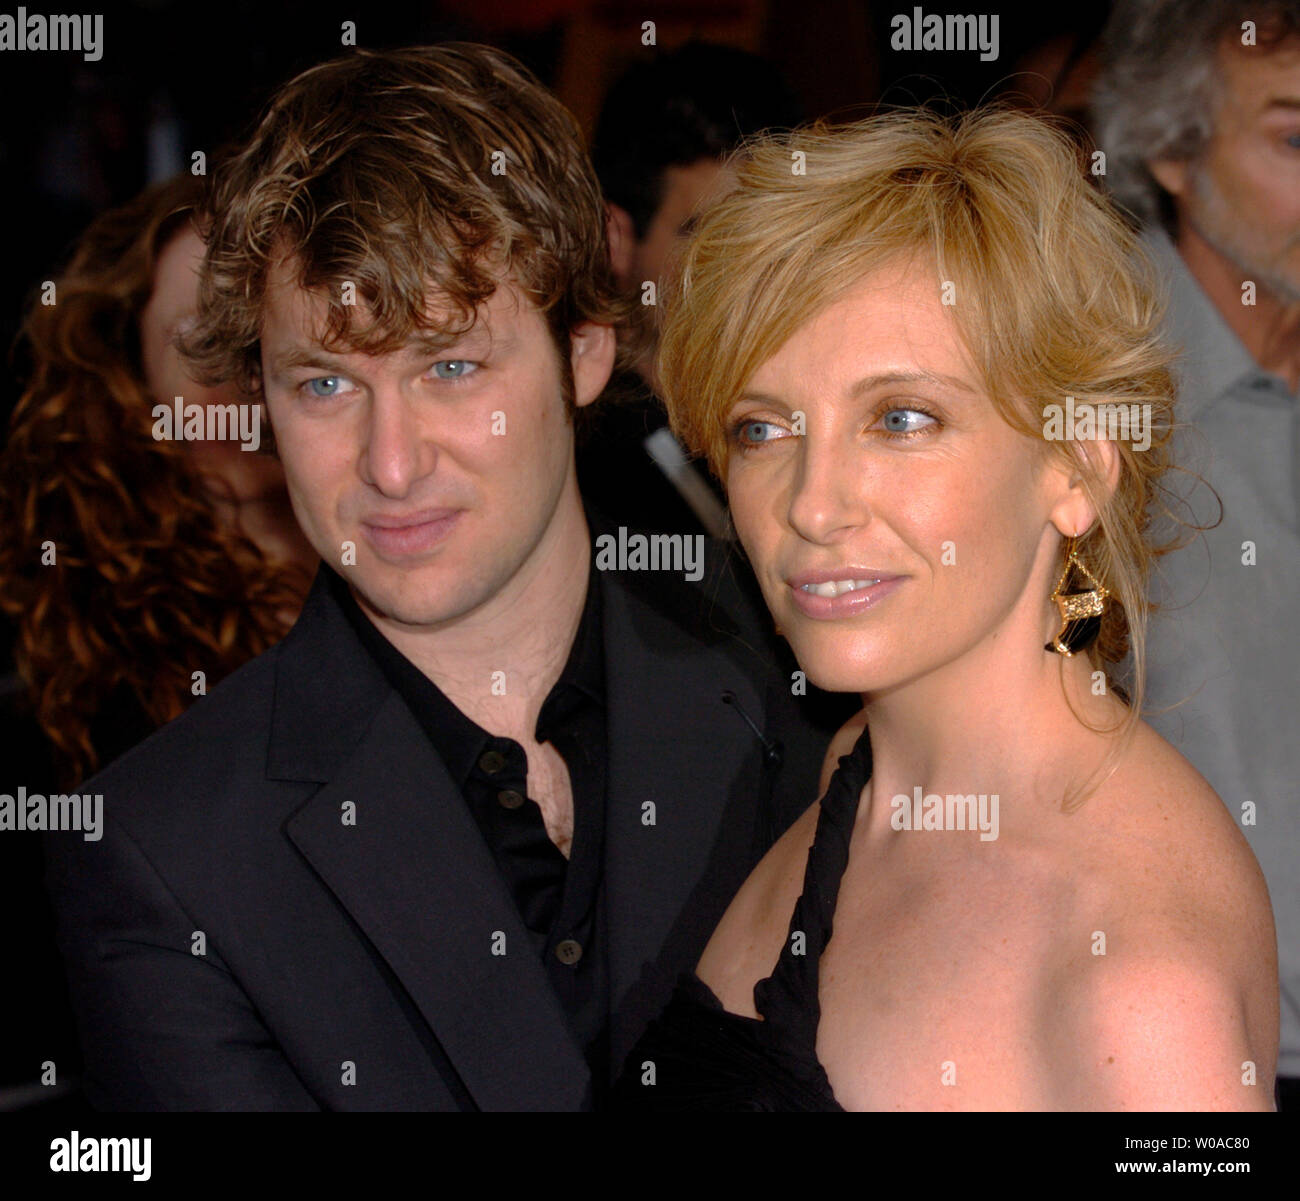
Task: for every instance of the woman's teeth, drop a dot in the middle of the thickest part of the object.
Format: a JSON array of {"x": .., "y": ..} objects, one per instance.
[{"x": 836, "y": 587}]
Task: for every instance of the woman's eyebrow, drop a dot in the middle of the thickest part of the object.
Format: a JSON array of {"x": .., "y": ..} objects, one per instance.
[{"x": 870, "y": 383}]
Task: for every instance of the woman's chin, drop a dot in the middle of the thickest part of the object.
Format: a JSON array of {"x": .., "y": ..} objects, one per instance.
[{"x": 839, "y": 673}]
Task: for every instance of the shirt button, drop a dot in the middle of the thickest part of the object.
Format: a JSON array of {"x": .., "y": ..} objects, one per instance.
[
  {"x": 492, "y": 762},
  {"x": 510, "y": 799},
  {"x": 568, "y": 951}
]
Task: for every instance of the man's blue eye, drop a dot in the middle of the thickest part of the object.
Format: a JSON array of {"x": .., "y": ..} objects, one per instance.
[
  {"x": 453, "y": 368},
  {"x": 324, "y": 385}
]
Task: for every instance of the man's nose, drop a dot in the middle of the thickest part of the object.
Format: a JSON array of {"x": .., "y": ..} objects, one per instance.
[{"x": 396, "y": 452}]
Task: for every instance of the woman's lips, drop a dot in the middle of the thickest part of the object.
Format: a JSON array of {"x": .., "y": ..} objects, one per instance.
[
  {"x": 847, "y": 604},
  {"x": 413, "y": 536}
]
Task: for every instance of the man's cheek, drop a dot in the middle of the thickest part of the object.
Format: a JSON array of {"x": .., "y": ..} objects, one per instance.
[{"x": 311, "y": 497}]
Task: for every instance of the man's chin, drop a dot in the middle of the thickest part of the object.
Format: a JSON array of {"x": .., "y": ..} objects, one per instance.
[
  {"x": 411, "y": 601},
  {"x": 1254, "y": 262},
  {"x": 1284, "y": 285}
]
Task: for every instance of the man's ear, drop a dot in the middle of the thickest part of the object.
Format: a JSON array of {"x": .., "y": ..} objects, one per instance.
[
  {"x": 592, "y": 358},
  {"x": 1074, "y": 512},
  {"x": 1170, "y": 173},
  {"x": 621, "y": 232}
]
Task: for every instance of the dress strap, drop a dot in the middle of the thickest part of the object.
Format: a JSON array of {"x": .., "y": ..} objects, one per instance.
[{"x": 788, "y": 997}]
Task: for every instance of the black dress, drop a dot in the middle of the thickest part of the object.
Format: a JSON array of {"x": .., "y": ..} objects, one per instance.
[{"x": 705, "y": 1057}]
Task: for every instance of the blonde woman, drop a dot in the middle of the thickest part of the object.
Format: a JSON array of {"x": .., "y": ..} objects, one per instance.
[{"x": 896, "y": 343}]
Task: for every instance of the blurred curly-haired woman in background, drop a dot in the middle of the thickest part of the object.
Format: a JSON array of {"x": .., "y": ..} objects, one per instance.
[{"x": 130, "y": 563}]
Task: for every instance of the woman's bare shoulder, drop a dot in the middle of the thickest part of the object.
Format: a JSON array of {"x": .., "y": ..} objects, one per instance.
[
  {"x": 1165, "y": 821},
  {"x": 1176, "y": 993}
]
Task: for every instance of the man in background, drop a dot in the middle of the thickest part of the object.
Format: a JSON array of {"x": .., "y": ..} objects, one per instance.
[
  {"x": 664, "y": 132},
  {"x": 1198, "y": 112}
]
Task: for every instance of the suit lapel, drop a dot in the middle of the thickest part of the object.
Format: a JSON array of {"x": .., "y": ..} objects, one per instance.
[{"x": 414, "y": 873}]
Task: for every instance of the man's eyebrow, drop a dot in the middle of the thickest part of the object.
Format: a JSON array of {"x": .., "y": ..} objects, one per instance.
[
  {"x": 433, "y": 342},
  {"x": 1287, "y": 102},
  {"x": 417, "y": 345},
  {"x": 303, "y": 357}
]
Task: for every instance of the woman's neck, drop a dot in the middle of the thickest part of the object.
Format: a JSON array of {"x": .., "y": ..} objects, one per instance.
[{"x": 996, "y": 722}]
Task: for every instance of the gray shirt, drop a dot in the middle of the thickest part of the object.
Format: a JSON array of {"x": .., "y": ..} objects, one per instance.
[{"x": 1228, "y": 646}]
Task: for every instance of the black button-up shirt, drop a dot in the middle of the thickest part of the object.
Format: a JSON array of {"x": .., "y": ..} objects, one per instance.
[{"x": 561, "y": 901}]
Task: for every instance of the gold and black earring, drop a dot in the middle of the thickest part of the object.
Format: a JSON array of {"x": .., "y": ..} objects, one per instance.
[{"x": 1080, "y": 611}]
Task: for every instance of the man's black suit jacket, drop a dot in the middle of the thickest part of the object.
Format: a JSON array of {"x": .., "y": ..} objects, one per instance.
[{"x": 291, "y": 906}]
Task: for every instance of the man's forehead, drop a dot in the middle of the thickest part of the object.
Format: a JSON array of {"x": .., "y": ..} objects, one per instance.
[
  {"x": 303, "y": 313},
  {"x": 1262, "y": 75}
]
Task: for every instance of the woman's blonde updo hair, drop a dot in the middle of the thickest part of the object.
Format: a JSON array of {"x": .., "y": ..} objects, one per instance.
[{"x": 1049, "y": 291}]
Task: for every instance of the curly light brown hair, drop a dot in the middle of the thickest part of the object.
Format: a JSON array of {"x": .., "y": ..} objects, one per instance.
[
  {"x": 147, "y": 584},
  {"x": 1056, "y": 300},
  {"x": 405, "y": 172}
]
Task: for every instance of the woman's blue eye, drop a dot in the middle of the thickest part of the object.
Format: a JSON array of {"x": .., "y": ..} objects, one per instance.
[
  {"x": 324, "y": 386},
  {"x": 752, "y": 431},
  {"x": 453, "y": 368},
  {"x": 905, "y": 421}
]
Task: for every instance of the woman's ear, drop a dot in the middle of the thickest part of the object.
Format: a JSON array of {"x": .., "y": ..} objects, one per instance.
[{"x": 1076, "y": 512}]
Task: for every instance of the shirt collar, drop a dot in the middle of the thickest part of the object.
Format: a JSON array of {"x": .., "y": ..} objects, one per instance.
[
  {"x": 585, "y": 668},
  {"x": 459, "y": 740}
]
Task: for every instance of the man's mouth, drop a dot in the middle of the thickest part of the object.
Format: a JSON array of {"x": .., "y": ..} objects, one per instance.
[{"x": 402, "y": 535}]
